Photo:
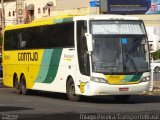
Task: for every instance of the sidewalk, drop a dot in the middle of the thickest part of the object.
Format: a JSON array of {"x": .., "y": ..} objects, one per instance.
[
  {"x": 156, "y": 89},
  {"x": 155, "y": 93}
]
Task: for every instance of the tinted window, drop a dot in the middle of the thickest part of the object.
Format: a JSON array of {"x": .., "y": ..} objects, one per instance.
[
  {"x": 50, "y": 36},
  {"x": 11, "y": 40},
  {"x": 83, "y": 57}
]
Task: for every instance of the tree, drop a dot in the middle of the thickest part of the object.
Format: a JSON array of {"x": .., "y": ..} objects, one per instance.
[{"x": 156, "y": 55}]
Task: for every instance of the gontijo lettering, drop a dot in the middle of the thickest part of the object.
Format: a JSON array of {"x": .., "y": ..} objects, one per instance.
[{"x": 28, "y": 56}]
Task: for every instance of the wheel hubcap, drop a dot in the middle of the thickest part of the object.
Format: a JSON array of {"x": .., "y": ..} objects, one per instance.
[{"x": 72, "y": 90}]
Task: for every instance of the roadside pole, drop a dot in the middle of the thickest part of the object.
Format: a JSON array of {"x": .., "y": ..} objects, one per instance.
[
  {"x": 152, "y": 81},
  {"x": 3, "y": 24},
  {"x": 3, "y": 18}
]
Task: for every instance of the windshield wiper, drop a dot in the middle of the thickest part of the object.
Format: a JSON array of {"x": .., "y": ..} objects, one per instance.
[{"x": 132, "y": 61}]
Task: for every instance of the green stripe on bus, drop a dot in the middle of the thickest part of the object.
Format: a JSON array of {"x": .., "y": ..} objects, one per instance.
[
  {"x": 132, "y": 78},
  {"x": 67, "y": 20},
  {"x": 64, "y": 20},
  {"x": 58, "y": 21},
  {"x": 53, "y": 66},
  {"x": 47, "y": 54}
]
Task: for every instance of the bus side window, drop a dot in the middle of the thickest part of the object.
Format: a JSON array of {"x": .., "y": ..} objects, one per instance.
[
  {"x": 7, "y": 39},
  {"x": 22, "y": 43},
  {"x": 10, "y": 42},
  {"x": 68, "y": 35}
]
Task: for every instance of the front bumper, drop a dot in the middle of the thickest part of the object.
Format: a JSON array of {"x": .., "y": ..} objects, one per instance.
[{"x": 93, "y": 89}]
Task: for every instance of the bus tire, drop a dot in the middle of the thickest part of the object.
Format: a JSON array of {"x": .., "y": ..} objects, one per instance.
[
  {"x": 71, "y": 91},
  {"x": 121, "y": 98},
  {"x": 16, "y": 85},
  {"x": 22, "y": 85}
]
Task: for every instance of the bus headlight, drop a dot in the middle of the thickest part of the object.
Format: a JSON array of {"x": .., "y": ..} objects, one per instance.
[
  {"x": 99, "y": 80},
  {"x": 144, "y": 79}
]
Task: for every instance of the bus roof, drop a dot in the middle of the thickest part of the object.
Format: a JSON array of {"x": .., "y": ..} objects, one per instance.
[
  {"x": 106, "y": 17},
  {"x": 42, "y": 21},
  {"x": 69, "y": 18}
]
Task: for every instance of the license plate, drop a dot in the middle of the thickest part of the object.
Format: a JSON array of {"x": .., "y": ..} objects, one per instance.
[{"x": 124, "y": 89}]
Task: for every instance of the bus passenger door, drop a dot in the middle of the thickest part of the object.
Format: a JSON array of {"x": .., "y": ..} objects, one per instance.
[{"x": 83, "y": 56}]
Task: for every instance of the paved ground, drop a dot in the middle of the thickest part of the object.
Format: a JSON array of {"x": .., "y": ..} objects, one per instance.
[{"x": 54, "y": 106}]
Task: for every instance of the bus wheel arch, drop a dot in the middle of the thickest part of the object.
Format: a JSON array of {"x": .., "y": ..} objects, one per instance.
[
  {"x": 70, "y": 89},
  {"x": 68, "y": 78}
]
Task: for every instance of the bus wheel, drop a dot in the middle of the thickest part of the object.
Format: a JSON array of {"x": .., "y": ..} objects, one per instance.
[
  {"x": 16, "y": 85},
  {"x": 71, "y": 91},
  {"x": 23, "y": 85},
  {"x": 121, "y": 98}
]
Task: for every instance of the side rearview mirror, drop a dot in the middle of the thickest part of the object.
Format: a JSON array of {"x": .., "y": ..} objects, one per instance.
[{"x": 89, "y": 42}]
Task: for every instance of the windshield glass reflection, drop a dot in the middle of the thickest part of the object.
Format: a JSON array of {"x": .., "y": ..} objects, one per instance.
[{"x": 119, "y": 55}]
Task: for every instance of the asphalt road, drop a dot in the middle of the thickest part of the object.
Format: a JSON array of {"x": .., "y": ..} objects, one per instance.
[{"x": 54, "y": 106}]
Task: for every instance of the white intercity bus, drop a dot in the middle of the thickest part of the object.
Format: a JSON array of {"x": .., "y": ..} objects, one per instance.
[{"x": 78, "y": 55}]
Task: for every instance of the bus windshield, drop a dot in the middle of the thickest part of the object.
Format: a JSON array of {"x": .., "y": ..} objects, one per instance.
[{"x": 123, "y": 52}]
